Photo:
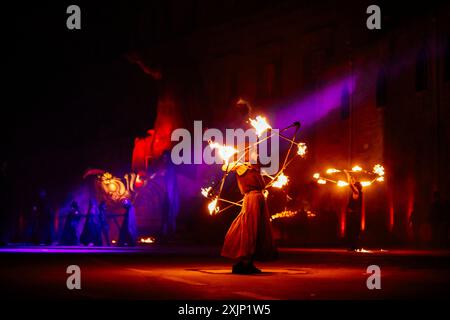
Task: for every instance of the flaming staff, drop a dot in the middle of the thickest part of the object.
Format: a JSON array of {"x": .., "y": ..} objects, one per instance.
[{"x": 261, "y": 126}]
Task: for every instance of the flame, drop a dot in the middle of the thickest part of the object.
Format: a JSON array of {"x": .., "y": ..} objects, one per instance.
[
  {"x": 260, "y": 124},
  {"x": 357, "y": 168},
  {"x": 380, "y": 179},
  {"x": 113, "y": 241},
  {"x": 341, "y": 183},
  {"x": 316, "y": 175},
  {"x": 205, "y": 191},
  {"x": 332, "y": 170},
  {"x": 366, "y": 183},
  {"x": 212, "y": 207},
  {"x": 225, "y": 152},
  {"x": 147, "y": 240},
  {"x": 321, "y": 181},
  {"x": 283, "y": 214},
  {"x": 302, "y": 149},
  {"x": 281, "y": 181},
  {"x": 378, "y": 169}
]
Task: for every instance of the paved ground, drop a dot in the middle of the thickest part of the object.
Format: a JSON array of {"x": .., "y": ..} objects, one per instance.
[{"x": 188, "y": 272}]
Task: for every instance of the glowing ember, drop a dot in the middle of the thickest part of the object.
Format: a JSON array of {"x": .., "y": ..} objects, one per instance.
[
  {"x": 301, "y": 149},
  {"x": 316, "y": 175},
  {"x": 379, "y": 170},
  {"x": 113, "y": 241},
  {"x": 283, "y": 214},
  {"x": 225, "y": 152},
  {"x": 366, "y": 183},
  {"x": 363, "y": 250},
  {"x": 310, "y": 214},
  {"x": 265, "y": 193},
  {"x": 260, "y": 124},
  {"x": 212, "y": 207},
  {"x": 281, "y": 181},
  {"x": 205, "y": 191},
  {"x": 341, "y": 183},
  {"x": 332, "y": 170},
  {"x": 357, "y": 168},
  {"x": 321, "y": 181},
  {"x": 147, "y": 240}
]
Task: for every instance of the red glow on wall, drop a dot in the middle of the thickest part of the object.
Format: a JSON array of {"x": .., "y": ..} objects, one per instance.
[
  {"x": 410, "y": 207},
  {"x": 142, "y": 151},
  {"x": 342, "y": 222},
  {"x": 158, "y": 139},
  {"x": 391, "y": 215},
  {"x": 363, "y": 215}
]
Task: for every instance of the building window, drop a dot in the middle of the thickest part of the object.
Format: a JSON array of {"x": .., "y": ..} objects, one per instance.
[
  {"x": 422, "y": 71},
  {"x": 381, "y": 89},
  {"x": 447, "y": 61},
  {"x": 345, "y": 103}
]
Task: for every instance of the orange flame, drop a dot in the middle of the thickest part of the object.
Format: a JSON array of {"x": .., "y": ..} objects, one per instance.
[
  {"x": 378, "y": 169},
  {"x": 147, "y": 240},
  {"x": 260, "y": 124},
  {"x": 341, "y": 183},
  {"x": 225, "y": 152},
  {"x": 366, "y": 183},
  {"x": 302, "y": 149},
  {"x": 212, "y": 207},
  {"x": 281, "y": 181}
]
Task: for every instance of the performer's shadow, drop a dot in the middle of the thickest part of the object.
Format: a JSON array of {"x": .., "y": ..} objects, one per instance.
[{"x": 265, "y": 271}]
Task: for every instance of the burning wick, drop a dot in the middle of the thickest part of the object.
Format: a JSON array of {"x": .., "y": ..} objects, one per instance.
[
  {"x": 301, "y": 149},
  {"x": 281, "y": 181},
  {"x": 378, "y": 169},
  {"x": 147, "y": 240},
  {"x": 212, "y": 207},
  {"x": 225, "y": 152},
  {"x": 260, "y": 124},
  {"x": 205, "y": 191}
]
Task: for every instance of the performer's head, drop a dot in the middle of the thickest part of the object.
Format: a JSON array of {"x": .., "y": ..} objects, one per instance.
[
  {"x": 358, "y": 186},
  {"x": 243, "y": 107}
]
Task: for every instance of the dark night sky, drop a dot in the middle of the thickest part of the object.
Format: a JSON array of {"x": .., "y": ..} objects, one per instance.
[{"x": 74, "y": 86}]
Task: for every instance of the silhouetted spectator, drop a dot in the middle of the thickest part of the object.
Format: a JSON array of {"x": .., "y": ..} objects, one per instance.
[
  {"x": 91, "y": 234},
  {"x": 69, "y": 235},
  {"x": 128, "y": 230},
  {"x": 104, "y": 226}
]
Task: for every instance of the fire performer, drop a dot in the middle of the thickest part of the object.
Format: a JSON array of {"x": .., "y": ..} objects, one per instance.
[
  {"x": 354, "y": 212},
  {"x": 250, "y": 235}
]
